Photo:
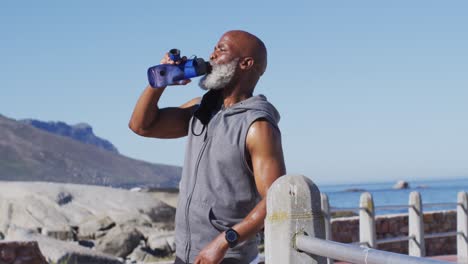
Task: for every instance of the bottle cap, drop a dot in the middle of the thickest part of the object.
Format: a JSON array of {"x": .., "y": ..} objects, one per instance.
[{"x": 174, "y": 54}]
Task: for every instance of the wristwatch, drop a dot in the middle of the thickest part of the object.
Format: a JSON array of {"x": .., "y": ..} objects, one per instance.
[{"x": 232, "y": 237}]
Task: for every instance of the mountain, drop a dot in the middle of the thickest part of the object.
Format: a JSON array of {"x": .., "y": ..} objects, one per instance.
[
  {"x": 31, "y": 154},
  {"x": 81, "y": 132}
]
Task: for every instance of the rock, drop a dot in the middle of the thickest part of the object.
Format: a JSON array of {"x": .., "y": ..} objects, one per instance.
[
  {"x": 89, "y": 228},
  {"x": 169, "y": 196},
  {"x": 167, "y": 226},
  {"x": 100, "y": 234},
  {"x": 56, "y": 251},
  {"x": 138, "y": 254},
  {"x": 66, "y": 234},
  {"x": 162, "y": 243},
  {"x": 30, "y": 211},
  {"x": 86, "y": 243},
  {"x": 71, "y": 212},
  {"x": 63, "y": 198},
  {"x": 401, "y": 185},
  {"x": 133, "y": 218},
  {"x": 119, "y": 241},
  {"x": 33, "y": 205},
  {"x": 147, "y": 231},
  {"x": 171, "y": 242},
  {"x": 19, "y": 252},
  {"x": 143, "y": 254}
]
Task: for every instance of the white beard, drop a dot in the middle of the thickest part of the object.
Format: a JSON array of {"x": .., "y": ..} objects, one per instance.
[{"x": 221, "y": 75}]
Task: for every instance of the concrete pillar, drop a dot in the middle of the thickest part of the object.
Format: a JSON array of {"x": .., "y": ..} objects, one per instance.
[
  {"x": 462, "y": 228},
  {"x": 367, "y": 220},
  {"x": 416, "y": 246},
  {"x": 327, "y": 218},
  {"x": 293, "y": 207}
]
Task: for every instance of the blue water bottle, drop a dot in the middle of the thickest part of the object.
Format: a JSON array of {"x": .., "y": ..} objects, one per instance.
[{"x": 166, "y": 74}]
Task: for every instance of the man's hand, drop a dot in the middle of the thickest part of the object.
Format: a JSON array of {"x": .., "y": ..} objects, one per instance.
[
  {"x": 167, "y": 60},
  {"x": 214, "y": 252}
]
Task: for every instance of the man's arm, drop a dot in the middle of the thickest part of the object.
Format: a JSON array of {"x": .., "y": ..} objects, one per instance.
[
  {"x": 149, "y": 121},
  {"x": 263, "y": 143}
]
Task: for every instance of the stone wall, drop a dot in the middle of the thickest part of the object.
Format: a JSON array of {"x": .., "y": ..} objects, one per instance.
[
  {"x": 21, "y": 252},
  {"x": 346, "y": 230}
]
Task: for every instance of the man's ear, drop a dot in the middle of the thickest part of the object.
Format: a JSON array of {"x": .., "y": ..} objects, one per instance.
[{"x": 247, "y": 63}]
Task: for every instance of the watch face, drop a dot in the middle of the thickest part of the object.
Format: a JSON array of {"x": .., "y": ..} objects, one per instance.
[{"x": 231, "y": 236}]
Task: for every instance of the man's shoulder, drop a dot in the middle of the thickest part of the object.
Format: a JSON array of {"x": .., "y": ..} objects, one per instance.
[
  {"x": 260, "y": 108},
  {"x": 192, "y": 103}
]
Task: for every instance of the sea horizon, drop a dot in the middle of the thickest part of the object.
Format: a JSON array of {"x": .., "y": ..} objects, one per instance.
[{"x": 432, "y": 191}]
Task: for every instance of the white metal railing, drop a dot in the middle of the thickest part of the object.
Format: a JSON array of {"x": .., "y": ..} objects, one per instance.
[
  {"x": 353, "y": 254},
  {"x": 416, "y": 236},
  {"x": 298, "y": 218}
]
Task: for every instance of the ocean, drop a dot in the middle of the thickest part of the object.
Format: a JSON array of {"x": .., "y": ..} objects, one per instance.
[{"x": 432, "y": 191}]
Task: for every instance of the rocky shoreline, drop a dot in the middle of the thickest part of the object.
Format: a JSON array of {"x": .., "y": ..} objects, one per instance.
[{"x": 87, "y": 224}]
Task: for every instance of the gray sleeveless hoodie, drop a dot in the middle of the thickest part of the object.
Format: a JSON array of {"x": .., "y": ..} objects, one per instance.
[{"x": 217, "y": 189}]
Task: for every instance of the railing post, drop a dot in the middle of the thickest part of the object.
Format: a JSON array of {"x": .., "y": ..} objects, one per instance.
[
  {"x": 327, "y": 218},
  {"x": 462, "y": 228},
  {"x": 367, "y": 220},
  {"x": 416, "y": 246},
  {"x": 293, "y": 207}
]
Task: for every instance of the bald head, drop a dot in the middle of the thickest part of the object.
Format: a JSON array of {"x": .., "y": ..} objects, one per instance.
[{"x": 248, "y": 45}]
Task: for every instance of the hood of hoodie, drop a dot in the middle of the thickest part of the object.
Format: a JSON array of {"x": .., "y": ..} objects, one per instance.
[{"x": 211, "y": 103}]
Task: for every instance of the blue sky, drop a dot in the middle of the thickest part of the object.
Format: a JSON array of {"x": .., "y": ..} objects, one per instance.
[{"x": 367, "y": 90}]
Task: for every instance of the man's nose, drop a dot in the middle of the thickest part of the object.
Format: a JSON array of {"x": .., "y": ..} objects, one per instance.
[{"x": 213, "y": 56}]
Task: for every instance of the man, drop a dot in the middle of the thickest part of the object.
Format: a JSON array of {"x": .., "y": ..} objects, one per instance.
[{"x": 233, "y": 153}]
